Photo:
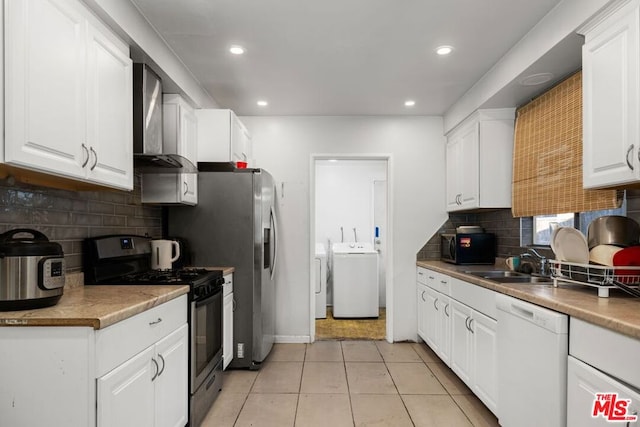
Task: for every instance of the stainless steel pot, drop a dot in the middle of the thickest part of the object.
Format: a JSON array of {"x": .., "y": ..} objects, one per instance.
[
  {"x": 32, "y": 270},
  {"x": 613, "y": 230}
]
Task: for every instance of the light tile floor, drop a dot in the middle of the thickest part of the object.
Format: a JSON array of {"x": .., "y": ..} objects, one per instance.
[{"x": 348, "y": 383}]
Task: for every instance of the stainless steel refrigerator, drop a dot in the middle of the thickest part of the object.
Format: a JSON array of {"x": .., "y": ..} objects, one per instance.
[{"x": 234, "y": 224}]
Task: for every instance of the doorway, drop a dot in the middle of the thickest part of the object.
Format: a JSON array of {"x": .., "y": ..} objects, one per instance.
[{"x": 349, "y": 204}]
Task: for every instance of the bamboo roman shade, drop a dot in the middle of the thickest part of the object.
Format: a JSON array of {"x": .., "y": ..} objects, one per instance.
[{"x": 547, "y": 156}]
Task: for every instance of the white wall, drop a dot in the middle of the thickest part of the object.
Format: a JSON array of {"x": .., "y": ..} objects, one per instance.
[
  {"x": 344, "y": 198},
  {"x": 284, "y": 145}
]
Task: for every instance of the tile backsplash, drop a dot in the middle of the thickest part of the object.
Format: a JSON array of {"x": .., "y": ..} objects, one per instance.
[
  {"x": 67, "y": 217},
  {"x": 506, "y": 228}
]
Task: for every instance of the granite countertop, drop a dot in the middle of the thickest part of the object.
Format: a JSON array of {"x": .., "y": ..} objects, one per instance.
[
  {"x": 620, "y": 312},
  {"x": 95, "y": 306},
  {"x": 98, "y": 306}
]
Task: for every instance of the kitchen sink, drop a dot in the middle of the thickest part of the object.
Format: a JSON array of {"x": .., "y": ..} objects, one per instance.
[
  {"x": 502, "y": 276},
  {"x": 491, "y": 274}
]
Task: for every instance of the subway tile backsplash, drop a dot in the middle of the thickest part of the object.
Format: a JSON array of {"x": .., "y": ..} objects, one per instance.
[
  {"x": 68, "y": 217},
  {"x": 499, "y": 221}
]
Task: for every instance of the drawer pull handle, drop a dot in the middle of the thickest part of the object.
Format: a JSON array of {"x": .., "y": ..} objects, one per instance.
[
  {"x": 432, "y": 278},
  {"x": 155, "y": 322},
  {"x": 86, "y": 150},
  {"x": 157, "y": 369},
  {"x": 95, "y": 162},
  {"x": 163, "y": 363}
]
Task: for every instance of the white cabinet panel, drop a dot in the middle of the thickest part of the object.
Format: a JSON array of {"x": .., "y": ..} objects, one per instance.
[
  {"x": 479, "y": 161},
  {"x": 485, "y": 354},
  {"x": 68, "y": 96},
  {"x": 125, "y": 395},
  {"x": 611, "y": 77},
  {"x": 45, "y": 86},
  {"x": 110, "y": 115},
  {"x": 171, "y": 384},
  {"x": 461, "y": 341},
  {"x": 222, "y": 137},
  {"x": 227, "y": 321},
  {"x": 583, "y": 384}
]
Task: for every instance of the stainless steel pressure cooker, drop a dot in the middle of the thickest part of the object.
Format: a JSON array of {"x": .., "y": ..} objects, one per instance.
[{"x": 32, "y": 270}]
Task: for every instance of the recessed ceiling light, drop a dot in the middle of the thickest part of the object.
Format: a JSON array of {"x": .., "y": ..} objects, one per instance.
[
  {"x": 262, "y": 103},
  {"x": 444, "y": 50},
  {"x": 409, "y": 103},
  {"x": 236, "y": 50},
  {"x": 536, "y": 79}
]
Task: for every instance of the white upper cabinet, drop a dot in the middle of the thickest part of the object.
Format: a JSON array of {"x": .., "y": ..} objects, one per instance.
[
  {"x": 68, "y": 93},
  {"x": 222, "y": 137},
  {"x": 611, "y": 76},
  {"x": 479, "y": 161},
  {"x": 180, "y": 133}
]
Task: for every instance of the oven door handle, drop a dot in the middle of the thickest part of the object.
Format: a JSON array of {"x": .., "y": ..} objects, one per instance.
[{"x": 208, "y": 299}]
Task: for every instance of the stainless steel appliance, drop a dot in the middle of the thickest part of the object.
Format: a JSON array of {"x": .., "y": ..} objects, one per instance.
[
  {"x": 152, "y": 153},
  {"x": 234, "y": 224},
  {"x": 125, "y": 260},
  {"x": 32, "y": 270},
  {"x": 468, "y": 248}
]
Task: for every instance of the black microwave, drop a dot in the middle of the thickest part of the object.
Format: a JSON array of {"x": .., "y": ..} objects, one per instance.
[{"x": 468, "y": 248}]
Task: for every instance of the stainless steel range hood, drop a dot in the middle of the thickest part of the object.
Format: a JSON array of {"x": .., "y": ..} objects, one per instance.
[{"x": 150, "y": 154}]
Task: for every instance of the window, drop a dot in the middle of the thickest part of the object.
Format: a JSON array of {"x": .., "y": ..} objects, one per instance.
[{"x": 543, "y": 225}]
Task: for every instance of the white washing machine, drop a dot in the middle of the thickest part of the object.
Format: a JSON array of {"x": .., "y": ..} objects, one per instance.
[
  {"x": 355, "y": 280},
  {"x": 321, "y": 281}
]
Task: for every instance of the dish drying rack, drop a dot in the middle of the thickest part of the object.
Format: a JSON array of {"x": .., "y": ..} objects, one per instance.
[{"x": 601, "y": 277}]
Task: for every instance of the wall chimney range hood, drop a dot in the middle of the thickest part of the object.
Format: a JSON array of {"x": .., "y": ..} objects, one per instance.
[{"x": 150, "y": 155}]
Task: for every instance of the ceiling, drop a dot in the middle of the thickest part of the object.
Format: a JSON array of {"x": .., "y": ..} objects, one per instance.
[{"x": 343, "y": 57}]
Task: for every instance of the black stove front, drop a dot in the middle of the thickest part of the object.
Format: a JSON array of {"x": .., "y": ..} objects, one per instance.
[{"x": 126, "y": 260}]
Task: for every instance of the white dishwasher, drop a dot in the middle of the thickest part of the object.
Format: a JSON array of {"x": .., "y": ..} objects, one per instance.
[{"x": 533, "y": 344}]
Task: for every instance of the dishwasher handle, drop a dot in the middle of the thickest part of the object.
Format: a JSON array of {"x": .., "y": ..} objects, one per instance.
[{"x": 540, "y": 316}]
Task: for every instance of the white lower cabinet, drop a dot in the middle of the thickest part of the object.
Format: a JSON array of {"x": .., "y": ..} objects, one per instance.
[
  {"x": 474, "y": 352},
  {"x": 594, "y": 367},
  {"x": 434, "y": 317},
  {"x": 463, "y": 337},
  {"x": 133, "y": 373},
  {"x": 228, "y": 306},
  {"x": 584, "y": 383}
]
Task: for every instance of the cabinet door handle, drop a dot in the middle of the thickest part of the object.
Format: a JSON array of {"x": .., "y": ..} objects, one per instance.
[
  {"x": 435, "y": 304},
  {"x": 157, "y": 369},
  {"x": 445, "y": 310},
  {"x": 186, "y": 188},
  {"x": 466, "y": 323},
  {"x": 86, "y": 150},
  {"x": 96, "y": 158},
  {"x": 422, "y": 296},
  {"x": 155, "y": 322},
  {"x": 163, "y": 363},
  {"x": 629, "y": 152},
  {"x": 470, "y": 324}
]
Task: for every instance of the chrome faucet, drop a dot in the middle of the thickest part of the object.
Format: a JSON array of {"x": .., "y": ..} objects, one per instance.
[{"x": 542, "y": 261}]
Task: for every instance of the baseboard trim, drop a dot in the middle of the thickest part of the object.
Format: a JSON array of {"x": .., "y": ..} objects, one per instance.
[{"x": 292, "y": 339}]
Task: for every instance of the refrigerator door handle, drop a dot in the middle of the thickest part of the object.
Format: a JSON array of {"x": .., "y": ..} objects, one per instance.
[{"x": 275, "y": 242}]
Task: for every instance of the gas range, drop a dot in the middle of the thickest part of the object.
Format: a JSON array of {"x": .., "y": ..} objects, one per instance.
[{"x": 126, "y": 260}]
